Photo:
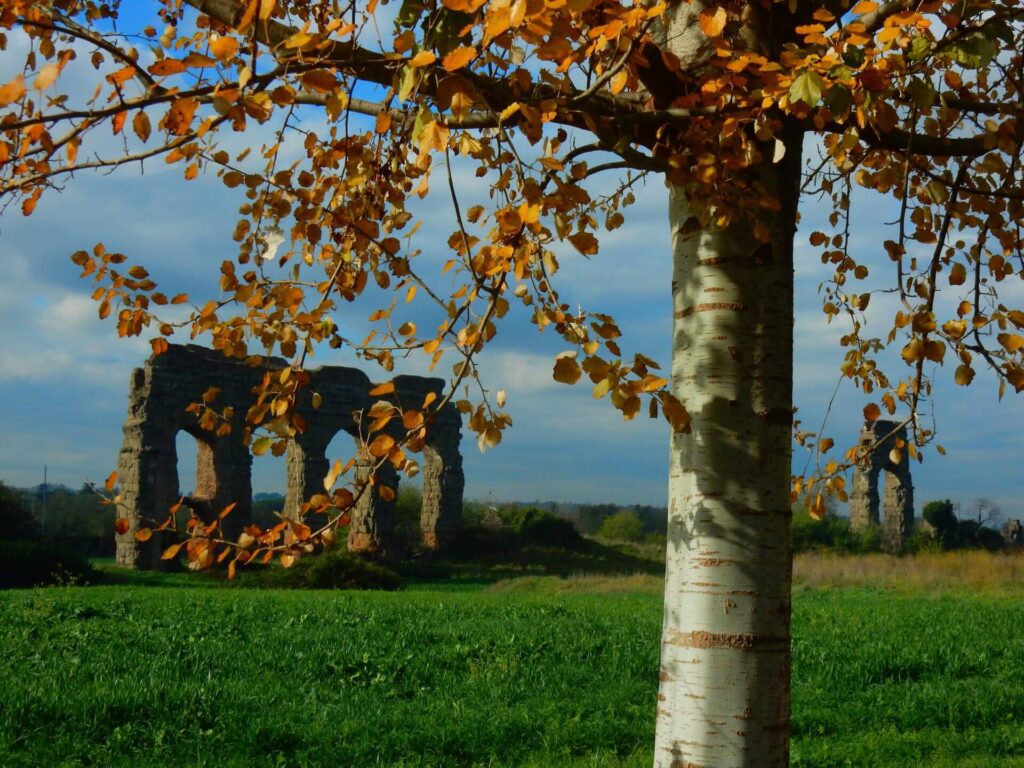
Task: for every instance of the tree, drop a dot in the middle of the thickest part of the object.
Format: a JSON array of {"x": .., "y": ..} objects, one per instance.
[
  {"x": 919, "y": 101},
  {"x": 624, "y": 525},
  {"x": 940, "y": 516}
]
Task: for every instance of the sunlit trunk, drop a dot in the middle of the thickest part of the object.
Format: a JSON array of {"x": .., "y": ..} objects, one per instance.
[{"x": 724, "y": 695}]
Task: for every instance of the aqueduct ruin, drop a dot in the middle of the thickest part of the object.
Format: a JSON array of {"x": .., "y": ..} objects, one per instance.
[
  {"x": 161, "y": 391},
  {"x": 896, "y": 498}
]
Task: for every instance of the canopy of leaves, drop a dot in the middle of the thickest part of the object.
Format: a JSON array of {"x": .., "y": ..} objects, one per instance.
[{"x": 362, "y": 108}]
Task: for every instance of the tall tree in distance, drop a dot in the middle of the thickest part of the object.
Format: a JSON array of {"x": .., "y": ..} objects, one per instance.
[{"x": 920, "y": 101}]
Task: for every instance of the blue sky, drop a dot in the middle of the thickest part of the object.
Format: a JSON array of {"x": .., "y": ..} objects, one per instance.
[{"x": 64, "y": 373}]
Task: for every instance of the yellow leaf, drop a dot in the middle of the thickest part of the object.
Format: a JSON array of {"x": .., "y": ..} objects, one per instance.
[
  {"x": 260, "y": 445},
  {"x": 143, "y": 534},
  {"x": 964, "y": 375},
  {"x": 170, "y": 552},
  {"x": 602, "y": 387},
  {"x": 47, "y": 76},
  {"x": 508, "y": 111},
  {"x": 459, "y": 58},
  {"x": 332, "y": 476},
  {"x": 618, "y": 82},
  {"x": 567, "y": 370}
]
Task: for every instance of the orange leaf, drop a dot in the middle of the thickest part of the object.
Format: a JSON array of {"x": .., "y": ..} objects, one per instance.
[
  {"x": 320, "y": 80},
  {"x": 383, "y": 389},
  {"x": 166, "y": 67},
  {"x": 466, "y": 6},
  {"x": 459, "y": 58},
  {"x": 872, "y": 412},
  {"x": 423, "y": 59},
  {"x": 111, "y": 479},
  {"x": 13, "y": 91},
  {"x": 170, "y": 552},
  {"x": 381, "y": 445},
  {"x": 224, "y": 48},
  {"x": 144, "y": 534},
  {"x": 712, "y": 21}
]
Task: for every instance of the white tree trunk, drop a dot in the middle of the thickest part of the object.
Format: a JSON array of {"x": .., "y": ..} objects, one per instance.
[{"x": 724, "y": 693}]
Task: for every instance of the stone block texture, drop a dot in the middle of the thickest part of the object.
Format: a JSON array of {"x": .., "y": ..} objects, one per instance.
[
  {"x": 162, "y": 390},
  {"x": 895, "y": 499}
]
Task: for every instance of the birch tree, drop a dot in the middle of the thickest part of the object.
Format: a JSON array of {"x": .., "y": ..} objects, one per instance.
[{"x": 561, "y": 106}]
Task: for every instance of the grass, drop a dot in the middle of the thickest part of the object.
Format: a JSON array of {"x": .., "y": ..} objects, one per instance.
[
  {"x": 927, "y": 573},
  {"x": 536, "y": 671}
]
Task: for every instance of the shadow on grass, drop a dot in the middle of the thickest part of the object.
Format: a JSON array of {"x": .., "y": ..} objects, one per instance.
[{"x": 476, "y": 559}]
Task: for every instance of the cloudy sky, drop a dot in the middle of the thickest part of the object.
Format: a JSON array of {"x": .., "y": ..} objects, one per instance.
[{"x": 64, "y": 373}]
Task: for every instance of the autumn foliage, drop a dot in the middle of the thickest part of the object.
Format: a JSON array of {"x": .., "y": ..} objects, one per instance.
[{"x": 918, "y": 100}]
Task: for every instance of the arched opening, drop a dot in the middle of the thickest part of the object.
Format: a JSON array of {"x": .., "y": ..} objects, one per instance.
[
  {"x": 197, "y": 475},
  {"x": 269, "y": 486}
]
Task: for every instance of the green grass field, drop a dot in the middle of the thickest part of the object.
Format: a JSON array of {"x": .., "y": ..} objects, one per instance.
[{"x": 476, "y": 676}]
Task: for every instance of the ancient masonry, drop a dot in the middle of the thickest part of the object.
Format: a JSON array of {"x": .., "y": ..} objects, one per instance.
[
  {"x": 896, "y": 494},
  {"x": 147, "y": 467}
]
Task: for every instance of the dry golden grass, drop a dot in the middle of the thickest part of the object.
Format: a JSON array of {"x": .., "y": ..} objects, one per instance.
[
  {"x": 975, "y": 571},
  {"x": 928, "y": 573}
]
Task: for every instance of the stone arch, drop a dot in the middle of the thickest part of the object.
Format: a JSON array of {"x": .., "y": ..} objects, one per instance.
[
  {"x": 890, "y": 507},
  {"x": 160, "y": 393}
]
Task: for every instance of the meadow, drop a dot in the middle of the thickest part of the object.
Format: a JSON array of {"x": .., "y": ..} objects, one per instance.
[{"x": 538, "y": 671}]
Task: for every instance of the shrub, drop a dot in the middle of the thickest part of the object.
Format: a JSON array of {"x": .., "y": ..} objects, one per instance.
[
  {"x": 940, "y": 516},
  {"x": 26, "y": 563},
  {"x": 331, "y": 570},
  {"x": 537, "y": 527},
  {"x": 833, "y": 532},
  {"x": 622, "y": 526},
  {"x": 16, "y": 521}
]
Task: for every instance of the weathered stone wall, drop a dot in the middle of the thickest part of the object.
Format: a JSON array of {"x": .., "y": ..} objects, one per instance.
[
  {"x": 896, "y": 498},
  {"x": 147, "y": 466},
  {"x": 1013, "y": 533}
]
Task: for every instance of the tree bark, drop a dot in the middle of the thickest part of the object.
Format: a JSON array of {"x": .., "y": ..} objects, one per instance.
[{"x": 724, "y": 695}]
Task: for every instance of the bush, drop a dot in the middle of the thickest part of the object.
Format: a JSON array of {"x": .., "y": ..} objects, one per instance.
[
  {"x": 26, "y": 563},
  {"x": 831, "y": 533},
  {"x": 15, "y": 519},
  {"x": 331, "y": 570},
  {"x": 940, "y": 516},
  {"x": 622, "y": 526},
  {"x": 540, "y": 528}
]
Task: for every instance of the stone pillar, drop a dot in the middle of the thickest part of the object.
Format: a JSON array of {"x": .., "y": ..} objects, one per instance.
[
  {"x": 148, "y": 488},
  {"x": 898, "y": 501},
  {"x": 898, "y": 505},
  {"x": 373, "y": 518},
  {"x": 307, "y": 466},
  {"x": 441, "y": 515}
]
